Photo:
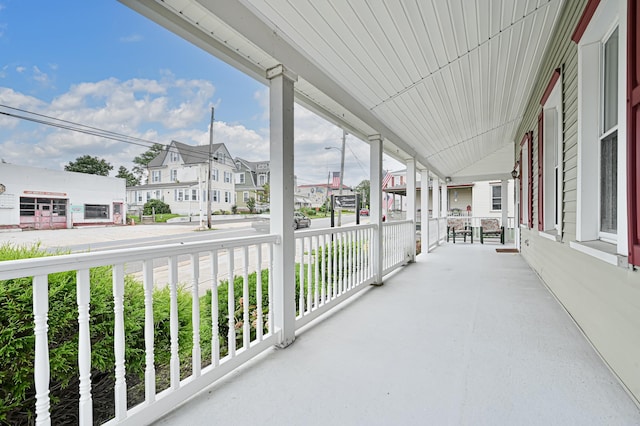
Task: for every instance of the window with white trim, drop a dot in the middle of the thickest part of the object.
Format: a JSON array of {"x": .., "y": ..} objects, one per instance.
[
  {"x": 174, "y": 175},
  {"x": 245, "y": 196},
  {"x": 215, "y": 195},
  {"x": 155, "y": 176},
  {"x": 240, "y": 178},
  {"x": 525, "y": 178},
  {"x": 601, "y": 211},
  {"x": 175, "y": 157},
  {"x": 609, "y": 139},
  {"x": 496, "y": 197},
  {"x": 262, "y": 180},
  {"x": 214, "y": 174},
  {"x": 227, "y": 197},
  {"x": 227, "y": 177},
  {"x": 552, "y": 160}
]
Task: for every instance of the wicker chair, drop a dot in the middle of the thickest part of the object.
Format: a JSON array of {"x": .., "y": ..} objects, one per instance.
[
  {"x": 491, "y": 228},
  {"x": 456, "y": 227}
]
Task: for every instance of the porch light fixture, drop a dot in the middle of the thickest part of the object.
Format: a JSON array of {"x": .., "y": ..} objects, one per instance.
[
  {"x": 514, "y": 174},
  {"x": 447, "y": 179}
]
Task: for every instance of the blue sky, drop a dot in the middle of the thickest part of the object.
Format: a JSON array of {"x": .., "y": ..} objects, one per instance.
[{"x": 101, "y": 64}]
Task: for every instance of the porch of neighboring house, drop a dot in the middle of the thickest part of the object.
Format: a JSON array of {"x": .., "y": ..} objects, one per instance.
[{"x": 465, "y": 335}]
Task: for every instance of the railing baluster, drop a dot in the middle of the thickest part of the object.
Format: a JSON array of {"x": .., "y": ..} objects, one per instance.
[
  {"x": 196, "y": 361},
  {"x": 118, "y": 342},
  {"x": 301, "y": 280},
  {"x": 215, "y": 329},
  {"x": 341, "y": 262},
  {"x": 322, "y": 252},
  {"x": 351, "y": 268},
  {"x": 83, "y": 292},
  {"x": 316, "y": 265},
  {"x": 149, "y": 371},
  {"x": 309, "y": 282},
  {"x": 270, "y": 286},
  {"x": 334, "y": 262},
  {"x": 331, "y": 288},
  {"x": 259, "y": 313},
  {"x": 246, "y": 324},
  {"x": 41, "y": 372},
  {"x": 174, "y": 364},
  {"x": 358, "y": 234},
  {"x": 231, "y": 305}
]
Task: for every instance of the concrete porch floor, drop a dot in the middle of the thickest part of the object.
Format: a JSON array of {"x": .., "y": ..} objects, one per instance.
[{"x": 465, "y": 336}]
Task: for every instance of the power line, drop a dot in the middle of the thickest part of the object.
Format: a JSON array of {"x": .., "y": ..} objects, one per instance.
[{"x": 93, "y": 131}]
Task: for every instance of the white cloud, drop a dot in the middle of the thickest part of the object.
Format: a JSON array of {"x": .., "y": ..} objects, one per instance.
[
  {"x": 21, "y": 69},
  {"x": 41, "y": 77},
  {"x": 161, "y": 111}
]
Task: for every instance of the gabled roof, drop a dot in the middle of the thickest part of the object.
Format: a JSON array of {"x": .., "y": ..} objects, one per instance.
[
  {"x": 254, "y": 166},
  {"x": 190, "y": 154}
]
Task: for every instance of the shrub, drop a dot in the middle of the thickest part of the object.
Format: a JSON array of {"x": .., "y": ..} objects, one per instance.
[
  {"x": 159, "y": 206},
  {"x": 17, "y": 341}
]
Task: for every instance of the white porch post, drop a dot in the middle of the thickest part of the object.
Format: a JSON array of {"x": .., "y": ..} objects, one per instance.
[
  {"x": 282, "y": 201},
  {"x": 375, "y": 161},
  {"x": 411, "y": 202},
  {"x": 436, "y": 206},
  {"x": 504, "y": 204},
  {"x": 445, "y": 200},
  {"x": 424, "y": 201}
]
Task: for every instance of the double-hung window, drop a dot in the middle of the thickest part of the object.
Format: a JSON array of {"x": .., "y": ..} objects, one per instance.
[
  {"x": 550, "y": 158},
  {"x": 496, "y": 197},
  {"x": 601, "y": 210},
  {"x": 526, "y": 182},
  {"x": 608, "y": 139}
]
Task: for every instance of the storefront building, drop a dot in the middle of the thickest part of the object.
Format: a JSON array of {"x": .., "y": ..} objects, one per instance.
[{"x": 33, "y": 198}]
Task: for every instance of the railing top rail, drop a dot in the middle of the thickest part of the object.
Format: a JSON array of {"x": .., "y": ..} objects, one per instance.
[
  {"x": 336, "y": 230},
  {"x": 397, "y": 222},
  {"x": 68, "y": 262}
]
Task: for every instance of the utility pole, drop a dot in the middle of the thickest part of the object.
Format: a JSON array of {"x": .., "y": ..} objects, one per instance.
[
  {"x": 328, "y": 197},
  {"x": 344, "y": 138},
  {"x": 209, "y": 174}
]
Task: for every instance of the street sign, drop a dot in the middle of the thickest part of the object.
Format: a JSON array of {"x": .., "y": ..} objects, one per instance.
[{"x": 344, "y": 201}]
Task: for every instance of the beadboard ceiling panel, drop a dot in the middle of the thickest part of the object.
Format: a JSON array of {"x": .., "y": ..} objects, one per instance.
[{"x": 443, "y": 81}]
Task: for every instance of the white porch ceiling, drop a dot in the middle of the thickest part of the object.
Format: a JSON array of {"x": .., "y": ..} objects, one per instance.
[{"x": 443, "y": 81}]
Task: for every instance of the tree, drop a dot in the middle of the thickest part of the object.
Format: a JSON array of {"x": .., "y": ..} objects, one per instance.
[
  {"x": 364, "y": 189},
  {"x": 156, "y": 206},
  {"x": 251, "y": 204},
  {"x": 130, "y": 178},
  {"x": 142, "y": 160},
  {"x": 90, "y": 165},
  {"x": 265, "y": 195}
]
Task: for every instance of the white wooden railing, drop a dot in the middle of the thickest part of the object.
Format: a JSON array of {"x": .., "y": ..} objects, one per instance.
[
  {"x": 180, "y": 264},
  {"x": 334, "y": 264},
  {"x": 437, "y": 231},
  {"x": 398, "y": 244}
]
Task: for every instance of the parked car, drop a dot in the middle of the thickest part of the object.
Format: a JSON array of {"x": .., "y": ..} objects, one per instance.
[
  {"x": 300, "y": 221},
  {"x": 364, "y": 212}
]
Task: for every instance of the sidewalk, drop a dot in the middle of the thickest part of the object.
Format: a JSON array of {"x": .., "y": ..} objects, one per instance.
[{"x": 62, "y": 238}]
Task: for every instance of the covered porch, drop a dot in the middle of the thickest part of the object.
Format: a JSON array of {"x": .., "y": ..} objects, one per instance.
[{"x": 465, "y": 335}]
